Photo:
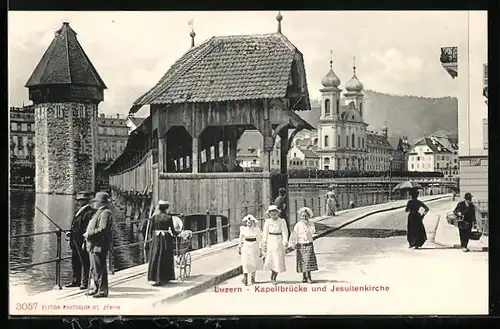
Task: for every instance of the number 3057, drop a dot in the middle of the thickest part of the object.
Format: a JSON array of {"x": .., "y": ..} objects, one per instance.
[{"x": 26, "y": 306}]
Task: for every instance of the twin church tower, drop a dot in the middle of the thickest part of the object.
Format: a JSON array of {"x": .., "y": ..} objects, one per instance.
[
  {"x": 342, "y": 137},
  {"x": 66, "y": 91}
]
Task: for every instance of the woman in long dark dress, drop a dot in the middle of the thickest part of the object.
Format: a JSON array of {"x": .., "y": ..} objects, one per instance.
[
  {"x": 416, "y": 231},
  {"x": 161, "y": 257}
]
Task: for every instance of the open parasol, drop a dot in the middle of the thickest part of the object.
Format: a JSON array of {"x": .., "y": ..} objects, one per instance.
[{"x": 407, "y": 185}]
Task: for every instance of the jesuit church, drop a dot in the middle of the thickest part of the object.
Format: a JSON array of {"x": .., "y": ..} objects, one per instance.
[{"x": 342, "y": 132}]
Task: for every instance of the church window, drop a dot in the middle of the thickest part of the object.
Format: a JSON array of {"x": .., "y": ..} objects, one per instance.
[
  {"x": 361, "y": 108},
  {"x": 359, "y": 142},
  {"x": 327, "y": 107},
  {"x": 346, "y": 141},
  {"x": 337, "y": 106},
  {"x": 327, "y": 161},
  {"x": 326, "y": 141},
  {"x": 353, "y": 141},
  {"x": 338, "y": 141},
  {"x": 363, "y": 142}
]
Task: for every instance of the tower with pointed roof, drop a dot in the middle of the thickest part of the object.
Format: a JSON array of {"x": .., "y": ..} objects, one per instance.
[
  {"x": 341, "y": 129},
  {"x": 66, "y": 90},
  {"x": 354, "y": 89}
]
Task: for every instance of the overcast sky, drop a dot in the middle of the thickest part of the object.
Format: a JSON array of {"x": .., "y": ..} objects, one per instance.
[{"x": 396, "y": 52}]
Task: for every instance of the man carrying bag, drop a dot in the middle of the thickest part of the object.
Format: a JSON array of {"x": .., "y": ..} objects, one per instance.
[{"x": 466, "y": 213}]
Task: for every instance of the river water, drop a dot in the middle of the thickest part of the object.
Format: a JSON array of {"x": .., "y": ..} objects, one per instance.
[{"x": 25, "y": 219}]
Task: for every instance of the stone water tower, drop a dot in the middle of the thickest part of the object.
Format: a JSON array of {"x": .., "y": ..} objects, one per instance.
[{"x": 66, "y": 90}]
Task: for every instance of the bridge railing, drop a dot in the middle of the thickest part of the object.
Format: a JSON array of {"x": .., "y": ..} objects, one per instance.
[{"x": 206, "y": 234}]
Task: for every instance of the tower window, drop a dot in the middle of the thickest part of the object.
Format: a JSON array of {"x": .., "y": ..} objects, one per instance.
[
  {"x": 353, "y": 141},
  {"x": 82, "y": 143},
  {"x": 337, "y": 106},
  {"x": 338, "y": 141},
  {"x": 363, "y": 142},
  {"x": 346, "y": 141},
  {"x": 82, "y": 113},
  {"x": 327, "y": 107},
  {"x": 326, "y": 141},
  {"x": 361, "y": 108},
  {"x": 59, "y": 112}
]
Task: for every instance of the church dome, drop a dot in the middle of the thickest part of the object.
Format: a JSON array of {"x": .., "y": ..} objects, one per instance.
[
  {"x": 330, "y": 79},
  {"x": 354, "y": 84}
]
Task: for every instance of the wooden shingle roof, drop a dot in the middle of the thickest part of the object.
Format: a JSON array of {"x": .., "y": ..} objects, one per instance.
[
  {"x": 227, "y": 68},
  {"x": 65, "y": 62}
]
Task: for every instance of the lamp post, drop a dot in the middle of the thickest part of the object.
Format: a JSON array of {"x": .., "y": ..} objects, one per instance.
[{"x": 390, "y": 177}]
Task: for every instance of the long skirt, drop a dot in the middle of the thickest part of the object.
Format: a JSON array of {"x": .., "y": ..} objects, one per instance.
[
  {"x": 250, "y": 260},
  {"x": 161, "y": 259},
  {"x": 306, "y": 258},
  {"x": 330, "y": 210},
  {"x": 416, "y": 231},
  {"x": 275, "y": 254}
]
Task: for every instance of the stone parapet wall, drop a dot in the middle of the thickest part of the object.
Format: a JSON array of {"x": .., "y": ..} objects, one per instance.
[{"x": 64, "y": 147}]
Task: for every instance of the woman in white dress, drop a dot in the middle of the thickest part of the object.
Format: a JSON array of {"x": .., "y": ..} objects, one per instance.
[
  {"x": 274, "y": 242},
  {"x": 302, "y": 240},
  {"x": 249, "y": 248}
]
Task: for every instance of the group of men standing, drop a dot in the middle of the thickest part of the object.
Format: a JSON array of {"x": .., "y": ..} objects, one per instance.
[{"x": 90, "y": 239}]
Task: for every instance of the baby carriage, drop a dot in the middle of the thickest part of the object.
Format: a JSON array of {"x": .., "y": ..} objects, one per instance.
[{"x": 182, "y": 243}]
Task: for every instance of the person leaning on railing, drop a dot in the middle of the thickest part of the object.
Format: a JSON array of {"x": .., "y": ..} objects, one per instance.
[{"x": 80, "y": 261}]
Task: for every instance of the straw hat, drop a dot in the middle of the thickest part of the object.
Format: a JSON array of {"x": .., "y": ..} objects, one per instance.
[
  {"x": 305, "y": 209},
  {"x": 249, "y": 218},
  {"x": 163, "y": 203},
  {"x": 102, "y": 197},
  {"x": 272, "y": 208}
]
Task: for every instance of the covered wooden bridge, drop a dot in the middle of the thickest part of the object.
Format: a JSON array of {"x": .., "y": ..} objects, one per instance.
[{"x": 185, "y": 151}]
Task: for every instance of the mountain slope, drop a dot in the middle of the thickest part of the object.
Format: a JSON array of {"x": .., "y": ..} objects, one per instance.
[{"x": 409, "y": 116}]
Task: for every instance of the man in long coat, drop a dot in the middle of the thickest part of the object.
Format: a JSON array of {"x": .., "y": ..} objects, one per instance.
[
  {"x": 80, "y": 261},
  {"x": 99, "y": 240},
  {"x": 467, "y": 212}
]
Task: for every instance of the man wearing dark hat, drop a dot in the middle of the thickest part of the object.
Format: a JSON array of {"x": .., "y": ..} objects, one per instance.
[
  {"x": 466, "y": 211},
  {"x": 282, "y": 203},
  {"x": 99, "y": 235},
  {"x": 79, "y": 257}
]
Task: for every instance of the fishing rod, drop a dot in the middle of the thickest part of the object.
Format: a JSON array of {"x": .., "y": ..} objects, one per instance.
[
  {"x": 59, "y": 227},
  {"x": 46, "y": 216}
]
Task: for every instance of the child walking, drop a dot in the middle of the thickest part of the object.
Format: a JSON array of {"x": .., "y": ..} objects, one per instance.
[
  {"x": 249, "y": 248},
  {"x": 302, "y": 240},
  {"x": 274, "y": 242}
]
